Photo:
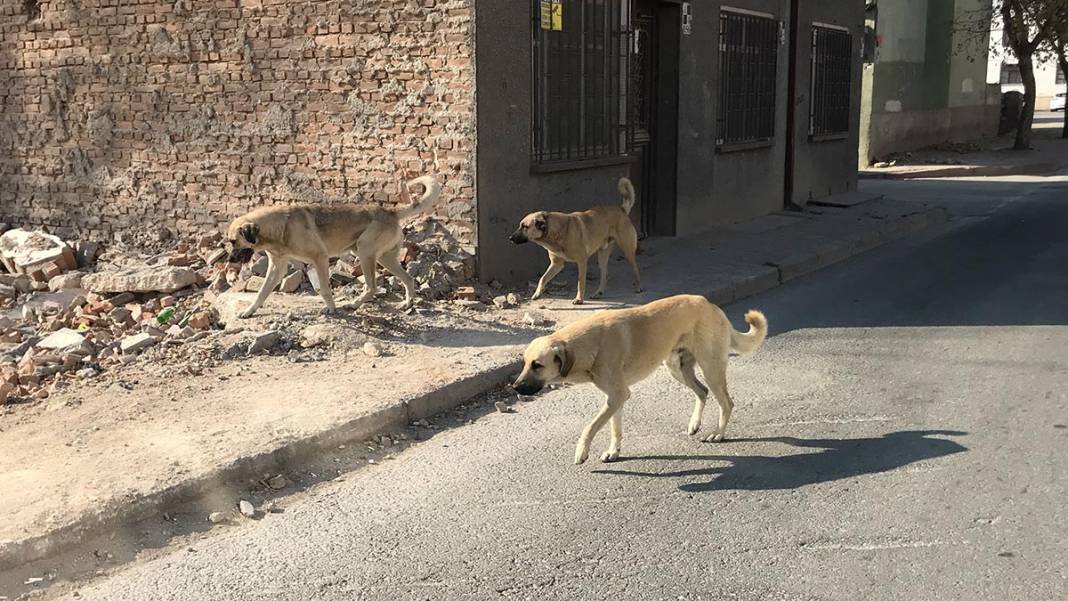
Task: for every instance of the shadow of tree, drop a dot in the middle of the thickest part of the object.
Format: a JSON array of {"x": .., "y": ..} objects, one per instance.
[{"x": 836, "y": 459}]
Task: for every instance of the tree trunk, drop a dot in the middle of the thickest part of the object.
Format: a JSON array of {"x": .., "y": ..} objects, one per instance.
[
  {"x": 1027, "y": 115},
  {"x": 1064, "y": 69}
]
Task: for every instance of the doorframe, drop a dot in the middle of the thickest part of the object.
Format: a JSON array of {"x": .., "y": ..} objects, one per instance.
[
  {"x": 666, "y": 137},
  {"x": 664, "y": 120}
]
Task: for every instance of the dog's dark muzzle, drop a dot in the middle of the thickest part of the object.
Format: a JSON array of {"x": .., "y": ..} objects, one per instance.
[
  {"x": 528, "y": 387},
  {"x": 518, "y": 238},
  {"x": 241, "y": 255}
]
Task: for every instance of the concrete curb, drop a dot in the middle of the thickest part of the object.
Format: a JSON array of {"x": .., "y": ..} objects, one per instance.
[
  {"x": 110, "y": 516},
  {"x": 835, "y": 252},
  {"x": 960, "y": 171}
]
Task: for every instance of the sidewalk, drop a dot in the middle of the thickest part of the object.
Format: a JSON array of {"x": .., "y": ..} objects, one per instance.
[
  {"x": 163, "y": 439},
  {"x": 989, "y": 158}
]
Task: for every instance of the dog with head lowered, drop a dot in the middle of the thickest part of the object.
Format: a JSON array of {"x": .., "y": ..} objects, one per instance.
[
  {"x": 575, "y": 237},
  {"x": 314, "y": 234},
  {"x": 617, "y": 349}
]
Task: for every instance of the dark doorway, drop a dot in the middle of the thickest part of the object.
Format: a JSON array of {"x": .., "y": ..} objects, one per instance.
[{"x": 655, "y": 90}]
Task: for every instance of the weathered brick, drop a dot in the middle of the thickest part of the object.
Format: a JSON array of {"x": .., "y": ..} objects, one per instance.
[{"x": 148, "y": 114}]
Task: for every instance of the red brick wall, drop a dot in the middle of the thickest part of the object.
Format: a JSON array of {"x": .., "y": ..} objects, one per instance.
[{"x": 127, "y": 114}]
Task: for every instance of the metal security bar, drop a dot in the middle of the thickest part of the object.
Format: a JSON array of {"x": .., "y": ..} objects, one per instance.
[
  {"x": 1010, "y": 73},
  {"x": 832, "y": 69},
  {"x": 748, "y": 59},
  {"x": 581, "y": 71}
]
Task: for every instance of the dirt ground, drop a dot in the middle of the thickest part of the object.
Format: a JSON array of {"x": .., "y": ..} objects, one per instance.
[{"x": 158, "y": 419}]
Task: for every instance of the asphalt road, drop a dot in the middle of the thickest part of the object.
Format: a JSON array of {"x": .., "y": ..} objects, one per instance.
[{"x": 902, "y": 435}]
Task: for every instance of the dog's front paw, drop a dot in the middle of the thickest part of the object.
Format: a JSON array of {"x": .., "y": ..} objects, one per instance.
[
  {"x": 535, "y": 296},
  {"x": 598, "y": 294},
  {"x": 247, "y": 313},
  {"x": 577, "y": 301},
  {"x": 715, "y": 437},
  {"x": 328, "y": 311},
  {"x": 695, "y": 425},
  {"x": 581, "y": 455},
  {"x": 609, "y": 456}
]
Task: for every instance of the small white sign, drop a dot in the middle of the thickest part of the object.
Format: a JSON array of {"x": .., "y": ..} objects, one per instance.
[{"x": 687, "y": 19}]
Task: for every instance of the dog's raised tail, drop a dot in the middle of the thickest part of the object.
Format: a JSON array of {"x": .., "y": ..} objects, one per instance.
[
  {"x": 431, "y": 194},
  {"x": 627, "y": 190},
  {"x": 750, "y": 341}
]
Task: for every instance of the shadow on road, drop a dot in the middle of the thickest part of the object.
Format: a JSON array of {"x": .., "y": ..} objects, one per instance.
[{"x": 837, "y": 459}]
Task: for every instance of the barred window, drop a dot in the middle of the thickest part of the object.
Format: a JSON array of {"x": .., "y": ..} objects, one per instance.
[
  {"x": 832, "y": 78},
  {"x": 1060, "y": 75},
  {"x": 748, "y": 57},
  {"x": 581, "y": 54},
  {"x": 1010, "y": 73}
]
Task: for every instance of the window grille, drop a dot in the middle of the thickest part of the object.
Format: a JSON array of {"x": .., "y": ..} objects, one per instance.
[
  {"x": 1010, "y": 73},
  {"x": 832, "y": 75},
  {"x": 748, "y": 59},
  {"x": 581, "y": 73}
]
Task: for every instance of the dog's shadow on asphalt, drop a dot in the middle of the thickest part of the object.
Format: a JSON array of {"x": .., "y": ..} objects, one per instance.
[{"x": 836, "y": 459}]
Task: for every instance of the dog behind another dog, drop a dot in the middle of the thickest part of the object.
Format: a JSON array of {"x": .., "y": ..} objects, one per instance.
[
  {"x": 575, "y": 237},
  {"x": 314, "y": 234},
  {"x": 617, "y": 349}
]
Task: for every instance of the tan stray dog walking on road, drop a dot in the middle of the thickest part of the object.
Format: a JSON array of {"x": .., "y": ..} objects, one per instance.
[
  {"x": 314, "y": 234},
  {"x": 617, "y": 349},
  {"x": 575, "y": 237}
]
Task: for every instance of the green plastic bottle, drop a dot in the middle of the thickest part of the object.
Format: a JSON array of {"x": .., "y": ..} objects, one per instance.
[{"x": 165, "y": 315}]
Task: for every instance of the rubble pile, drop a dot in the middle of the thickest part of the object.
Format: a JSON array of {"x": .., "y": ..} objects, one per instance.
[
  {"x": 63, "y": 321},
  {"x": 69, "y": 311}
]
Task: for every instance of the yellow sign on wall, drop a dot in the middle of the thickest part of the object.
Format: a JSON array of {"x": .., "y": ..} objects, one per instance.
[{"x": 552, "y": 15}]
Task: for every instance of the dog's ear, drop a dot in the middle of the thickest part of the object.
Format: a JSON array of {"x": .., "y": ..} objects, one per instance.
[
  {"x": 564, "y": 359},
  {"x": 541, "y": 222},
  {"x": 250, "y": 232}
]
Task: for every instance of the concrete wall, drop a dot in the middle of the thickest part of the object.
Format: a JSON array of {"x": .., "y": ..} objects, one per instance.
[
  {"x": 722, "y": 187},
  {"x": 713, "y": 187},
  {"x": 895, "y": 132},
  {"x": 968, "y": 70},
  {"x": 825, "y": 167},
  {"x": 121, "y": 115},
  {"x": 927, "y": 78},
  {"x": 507, "y": 189}
]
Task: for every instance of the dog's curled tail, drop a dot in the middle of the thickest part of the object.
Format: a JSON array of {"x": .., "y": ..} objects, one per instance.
[
  {"x": 751, "y": 340},
  {"x": 627, "y": 190},
  {"x": 431, "y": 194}
]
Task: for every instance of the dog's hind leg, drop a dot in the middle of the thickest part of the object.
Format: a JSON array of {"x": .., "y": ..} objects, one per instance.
[
  {"x": 602, "y": 265},
  {"x": 322, "y": 269},
  {"x": 628, "y": 243},
  {"x": 716, "y": 375},
  {"x": 369, "y": 266},
  {"x": 580, "y": 296},
  {"x": 556, "y": 265},
  {"x": 613, "y": 404},
  {"x": 276, "y": 267},
  {"x": 681, "y": 364},
  {"x": 391, "y": 261}
]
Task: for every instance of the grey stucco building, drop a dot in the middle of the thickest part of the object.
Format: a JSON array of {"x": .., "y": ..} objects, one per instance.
[
  {"x": 718, "y": 111},
  {"x": 924, "y": 81}
]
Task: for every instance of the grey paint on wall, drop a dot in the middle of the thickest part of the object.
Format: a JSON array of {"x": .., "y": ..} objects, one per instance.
[
  {"x": 506, "y": 188},
  {"x": 715, "y": 187},
  {"x": 825, "y": 167}
]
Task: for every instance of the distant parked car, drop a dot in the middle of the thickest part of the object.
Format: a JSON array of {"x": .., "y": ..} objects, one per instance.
[{"x": 1057, "y": 102}]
